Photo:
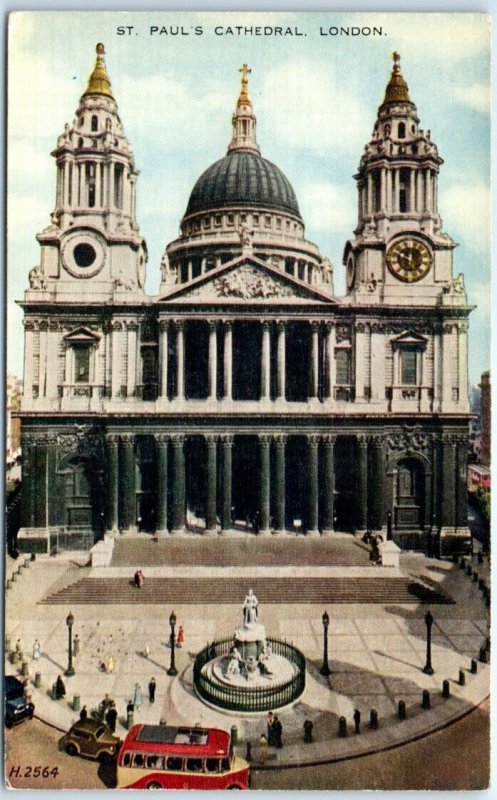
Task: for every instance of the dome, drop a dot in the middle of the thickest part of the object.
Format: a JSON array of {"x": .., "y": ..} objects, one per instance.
[{"x": 243, "y": 178}]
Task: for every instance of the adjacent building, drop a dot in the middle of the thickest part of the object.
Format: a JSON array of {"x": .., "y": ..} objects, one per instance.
[{"x": 245, "y": 393}]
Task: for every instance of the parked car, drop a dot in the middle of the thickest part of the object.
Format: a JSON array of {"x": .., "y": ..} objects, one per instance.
[
  {"x": 16, "y": 707},
  {"x": 91, "y": 738}
]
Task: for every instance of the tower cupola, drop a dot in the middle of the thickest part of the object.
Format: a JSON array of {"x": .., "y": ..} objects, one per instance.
[{"x": 244, "y": 120}]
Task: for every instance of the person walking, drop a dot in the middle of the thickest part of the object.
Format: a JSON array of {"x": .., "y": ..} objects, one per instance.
[
  {"x": 36, "y": 650},
  {"x": 76, "y": 645},
  {"x": 151, "y": 690},
  {"x": 181, "y": 637},
  {"x": 357, "y": 720},
  {"x": 111, "y": 719},
  {"x": 138, "y": 699},
  {"x": 110, "y": 664},
  {"x": 263, "y": 751},
  {"x": 83, "y": 714},
  {"x": 278, "y": 732},
  {"x": 270, "y": 729},
  {"x": 60, "y": 688}
]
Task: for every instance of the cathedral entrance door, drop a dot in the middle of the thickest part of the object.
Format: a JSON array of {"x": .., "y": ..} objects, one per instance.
[
  {"x": 77, "y": 497},
  {"x": 409, "y": 495}
]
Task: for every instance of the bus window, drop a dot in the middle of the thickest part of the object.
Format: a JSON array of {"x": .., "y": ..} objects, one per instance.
[
  {"x": 155, "y": 762},
  {"x": 127, "y": 760},
  {"x": 174, "y": 763},
  {"x": 194, "y": 764},
  {"x": 138, "y": 760},
  {"x": 212, "y": 764}
]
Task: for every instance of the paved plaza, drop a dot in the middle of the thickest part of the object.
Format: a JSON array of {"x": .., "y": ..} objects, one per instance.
[{"x": 376, "y": 653}]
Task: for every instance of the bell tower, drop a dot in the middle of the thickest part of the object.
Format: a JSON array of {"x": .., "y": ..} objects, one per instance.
[
  {"x": 400, "y": 254},
  {"x": 93, "y": 241}
]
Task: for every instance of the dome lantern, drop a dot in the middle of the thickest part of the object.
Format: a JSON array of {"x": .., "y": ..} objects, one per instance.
[{"x": 244, "y": 120}]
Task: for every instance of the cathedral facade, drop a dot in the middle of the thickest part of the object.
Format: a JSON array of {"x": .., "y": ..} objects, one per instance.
[{"x": 245, "y": 395}]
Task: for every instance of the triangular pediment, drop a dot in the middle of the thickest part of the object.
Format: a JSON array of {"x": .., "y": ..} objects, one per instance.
[
  {"x": 410, "y": 338},
  {"x": 82, "y": 335},
  {"x": 247, "y": 279}
]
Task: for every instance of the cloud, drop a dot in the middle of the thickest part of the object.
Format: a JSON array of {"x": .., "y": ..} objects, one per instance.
[
  {"x": 327, "y": 206},
  {"x": 466, "y": 214},
  {"x": 445, "y": 37},
  {"x": 300, "y": 103},
  {"x": 480, "y": 296},
  {"x": 476, "y": 96}
]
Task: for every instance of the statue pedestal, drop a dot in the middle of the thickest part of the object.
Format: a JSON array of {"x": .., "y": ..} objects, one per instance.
[{"x": 250, "y": 639}]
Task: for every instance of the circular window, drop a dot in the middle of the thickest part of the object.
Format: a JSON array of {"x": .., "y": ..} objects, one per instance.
[{"x": 84, "y": 254}]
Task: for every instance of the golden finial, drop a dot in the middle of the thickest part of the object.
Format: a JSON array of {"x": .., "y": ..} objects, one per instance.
[
  {"x": 397, "y": 90},
  {"x": 244, "y": 98},
  {"x": 98, "y": 82}
]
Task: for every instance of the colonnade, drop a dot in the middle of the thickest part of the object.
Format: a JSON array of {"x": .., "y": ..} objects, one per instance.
[{"x": 422, "y": 190}]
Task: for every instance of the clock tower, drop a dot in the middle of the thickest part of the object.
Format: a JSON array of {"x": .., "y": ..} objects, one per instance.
[
  {"x": 93, "y": 239},
  {"x": 400, "y": 255}
]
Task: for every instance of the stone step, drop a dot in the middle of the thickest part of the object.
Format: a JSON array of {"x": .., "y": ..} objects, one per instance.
[{"x": 219, "y": 591}]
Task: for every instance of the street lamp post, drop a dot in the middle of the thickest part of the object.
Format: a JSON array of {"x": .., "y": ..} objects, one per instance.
[
  {"x": 428, "y": 669},
  {"x": 389, "y": 526},
  {"x": 325, "y": 669},
  {"x": 172, "y": 669},
  {"x": 70, "y": 669}
]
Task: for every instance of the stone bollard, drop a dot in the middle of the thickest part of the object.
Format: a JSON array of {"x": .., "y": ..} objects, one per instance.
[
  {"x": 474, "y": 666},
  {"x": 14, "y": 577},
  {"x": 483, "y": 655},
  {"x": 24, "y": 669},
  {"x": 446, "y": 689},
  {"x": 308, "y": 726},
  {"x": 248, "y": 752},
  {"x": 426, "y": 699},
  {"x": 401, "y": 710},
  {"x": 475, "y": 577},
  {"x": 37, "y": 680},
  {"x": 481, "y": 584},
  {"x": 234, "y": 735},
  {"x": 469, "y": 570},
  {"x": 130, "y": 720},
  {"x": 26, "y": 563},
  {"x": 373, "y": 719},
  {"x": 13, "y": 656},
  {"x": 33, "y": 556},
  {"x": 462, "y": 678},
  {"x": 76, "y": 702},
  {"x": 462, "y": 563},
  {"x": 480, "y": 557},
  {"x": 342, "y": 727}
]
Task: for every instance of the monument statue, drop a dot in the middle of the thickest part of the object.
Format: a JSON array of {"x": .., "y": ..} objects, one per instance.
[{"x": 250, "y": 608}]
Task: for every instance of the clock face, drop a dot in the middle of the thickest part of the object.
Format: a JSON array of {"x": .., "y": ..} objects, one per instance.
[{"x": 409, "y": 260}]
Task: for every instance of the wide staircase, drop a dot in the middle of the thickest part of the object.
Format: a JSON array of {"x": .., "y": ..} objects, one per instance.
[
  {"x": 333, "y": 551},
  {"x": 215, "y": 590}
]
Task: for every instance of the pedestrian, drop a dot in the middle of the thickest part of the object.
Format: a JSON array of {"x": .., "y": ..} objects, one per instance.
[
  {"x": 76, "y": 645},
  {"x": 19, "y": 646},
  {"x": 357, "y": 720},
  {"x": 181, "y": 636},
  {"x": 146, "y": 650},
  {"x": 278, "y": 731},
  {"x": 60, "y": 688},
  {"x": 130, "y": 707},
  {"x": 138, "y": 696},
  {"x": 262, "y": 749},
  {"x": 151, "y": 690},
  {"x": 27, "y": 691},
  {"x": 308, "y": 726},
  {"x": 270, "y": 729},
  {"x": 136, "y": 579},
  {"x": 36, "y": 650},
  {"x": 110, "y": 664},
  {"x": 111, "y": 719},
  {"x": 83, "y": 714}
]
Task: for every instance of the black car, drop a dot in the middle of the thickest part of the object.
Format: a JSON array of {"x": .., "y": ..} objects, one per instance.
[{"x": 16, "y": 707}]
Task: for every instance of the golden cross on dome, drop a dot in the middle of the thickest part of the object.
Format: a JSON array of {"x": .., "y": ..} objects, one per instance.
[
  {"x": 396, "y": 60},
  {"x": 244, "y": 69}
]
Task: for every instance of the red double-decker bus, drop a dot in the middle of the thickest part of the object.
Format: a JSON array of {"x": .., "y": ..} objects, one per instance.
[{"x": 166, "y": 757}]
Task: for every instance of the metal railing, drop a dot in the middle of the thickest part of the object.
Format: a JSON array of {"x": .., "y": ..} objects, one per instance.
[{"x": 249, "y": 698}]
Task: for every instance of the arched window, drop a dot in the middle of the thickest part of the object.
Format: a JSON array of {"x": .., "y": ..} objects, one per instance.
[
  {"x": 401, "y": 130},
  {"x": 94, "y": 123}
]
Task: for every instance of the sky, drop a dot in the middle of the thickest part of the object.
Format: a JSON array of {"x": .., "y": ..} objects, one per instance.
[{"x": 315, "y": 97}]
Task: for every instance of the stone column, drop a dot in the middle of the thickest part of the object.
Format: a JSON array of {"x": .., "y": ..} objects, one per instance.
[
  {"x": 370, "y": 194},
  {"x": 389, "y": 190},
  {"x": 28, "y": 485},
  {"x": 212, "y": 365},
  {"x": 383, "y": 189},
  {"x": 112, "y": 199},
  {"x": 314, "y": 359},
  {"x": 462, "y": 482},
  {"x": 264, "y": 490},
  {"x": 228, "y": 360},
  {"x": 116, "y": 360},
  {"x": 179, "y": 498},
  {"x": 395, "y": 191},
  {"x": 361, "y": 334},
  {"x": 362, "y": 483},
  {"x": 128, "y": 483},
  {"x": 266, "y": 362},
  {"x": 447, "y": 377},
  {"x": 329, "y": 483},
  {"x": 42, "y": 369},
  {"x": 52, "y": 360},
  {"x": 448, "y": 481},
  {"x": 226, "y": 521},
  {"x": 313, "y": 507},
  {"x": 161, "y": 443},
  {"x": 330, "y": 359},
  {"x": 28, "y": 359},
  {"x": 279, "y": 485},
  {"x": 419, "y": 193},
  {"x": 132, "y": 326},
  {"x": 376, "y": 501},
  {"x": 211, "y": 493},
  {"x": 281, "y": 375},
  {"x": 462, "y": 340},
  {"x": 428, "y": 204},
  {"x": 180, "y": 360},
  {"x": 112, "y": 442},
  {"x": 377, "y": 362},
  {"x": 97, "y": 185},
  {"x": 163, "y": 357}
]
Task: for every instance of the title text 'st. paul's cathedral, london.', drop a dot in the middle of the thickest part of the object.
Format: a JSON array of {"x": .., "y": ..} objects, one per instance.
[{"x": 244, "y": 396}]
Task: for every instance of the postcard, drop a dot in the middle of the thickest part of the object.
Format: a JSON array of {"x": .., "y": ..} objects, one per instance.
[{"x": 248, "y": 401}]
